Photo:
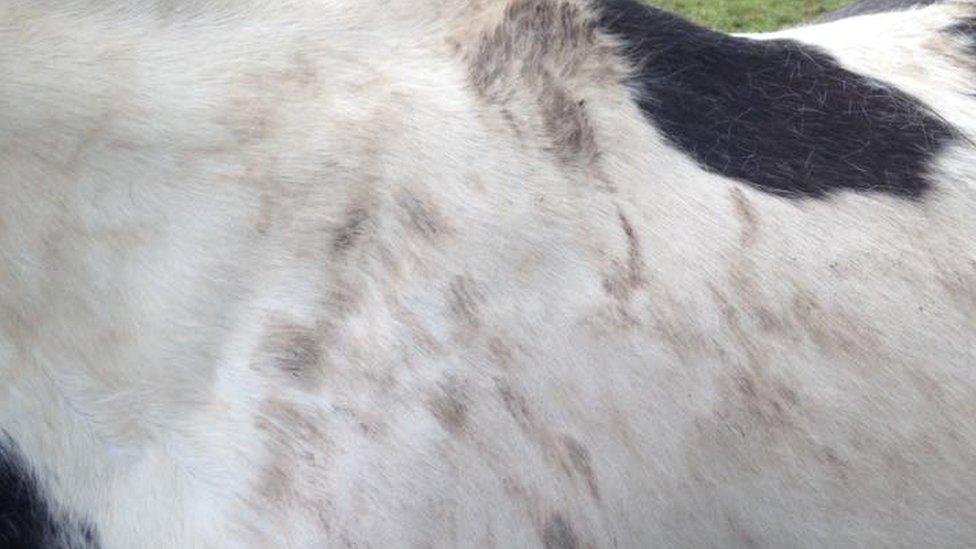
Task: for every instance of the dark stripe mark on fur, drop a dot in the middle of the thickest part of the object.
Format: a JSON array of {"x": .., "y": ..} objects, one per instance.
[
  {"x": 27, "y": 521},
  {"x": 777, "y": 114}
]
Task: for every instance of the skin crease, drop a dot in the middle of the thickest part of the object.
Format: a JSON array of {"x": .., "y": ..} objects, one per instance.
[{"x": 422, "y": 273}]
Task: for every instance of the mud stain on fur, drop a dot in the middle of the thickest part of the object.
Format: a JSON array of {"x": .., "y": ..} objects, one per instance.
[
  {"x": 531, "y": 35},
  {"x": 464, "y": 302},
  {"x": 541, "y": 52},
  {"x": 350, "y": 231},
  {"x": 500, "y": 352},
  {"x": 559, "y": 534},
  {"x": 516, "y": 405},
  {"x": 566, "y": 122},
  {"x": 257, "y": 100},
  {"x": 629, "y": 276},
  {"x": 298, "y": 350},
  {"x": 579, "y": 457},
  {"x": 747, "y": 217},
  {"x": 450, "y": 407},
  {"x": 299, "y": 450},
  {"x": 421, "y": 217}
]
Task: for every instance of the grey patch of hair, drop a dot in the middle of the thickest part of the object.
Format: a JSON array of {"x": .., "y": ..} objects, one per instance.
[
  {"x": 516, "y": 405},
  {"x": 740, "y": 532},
  {"x": 561, "y": 451},
  {"x": 538, "y": 48},
  {"x": 756, "y": 412},
  {"x": 298, "y": 444},
  {"x": 450, "y": 407},
  {"x": 747, "y": 216},
  {"x": 295, "y": 351},
  {"x": 501, "y": 353},
  {"x": 832, "y": 330},
  {"x": 630, "y": 276},
  {"x": 350, "y": 231},
  {"x": 298, "y": 353},
  {"x": 288, "y": 424},
  {"x": 369, "y": 424},
  {"x": 266, "y": 209},
  {"x": 558, "y": 534},
  {"x": 579, "y": 456},
  {"x": 567, "y": 122},
  {"x": 464, "y": 300},
  {"x": 532, "y": 34},
  {"x": 421, "y": 217},
  {"x": 253, "y": 113},
  {"x": 769, "y": 403}
]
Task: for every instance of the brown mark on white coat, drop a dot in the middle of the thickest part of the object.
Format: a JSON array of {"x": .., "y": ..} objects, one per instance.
[
  {"x": 747, "y": 217},
  {"x": 450, "y": 406},
  {"x": 630, "y": 275},
  {"x": 294, "y": 351},
  {"x": 538, "y": 53}
]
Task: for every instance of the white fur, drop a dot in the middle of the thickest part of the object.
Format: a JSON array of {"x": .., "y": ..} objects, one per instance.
[{"x": 176, "y": 177}]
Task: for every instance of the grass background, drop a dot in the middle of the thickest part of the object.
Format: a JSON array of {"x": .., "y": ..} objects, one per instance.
[{"x": 749, "y": 15}]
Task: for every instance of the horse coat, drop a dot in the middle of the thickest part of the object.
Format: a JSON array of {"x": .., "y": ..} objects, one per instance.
[{"x": 505, "y": 273}]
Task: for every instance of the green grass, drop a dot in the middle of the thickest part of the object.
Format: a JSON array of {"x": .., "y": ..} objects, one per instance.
[{"x": 749, "y": 15}]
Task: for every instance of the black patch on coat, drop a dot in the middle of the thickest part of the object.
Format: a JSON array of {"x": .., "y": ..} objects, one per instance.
[
  {"x": 27, "y": 521},
  {"x": 777, "y": 114},
  {"x": 867, "y": 7}
]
